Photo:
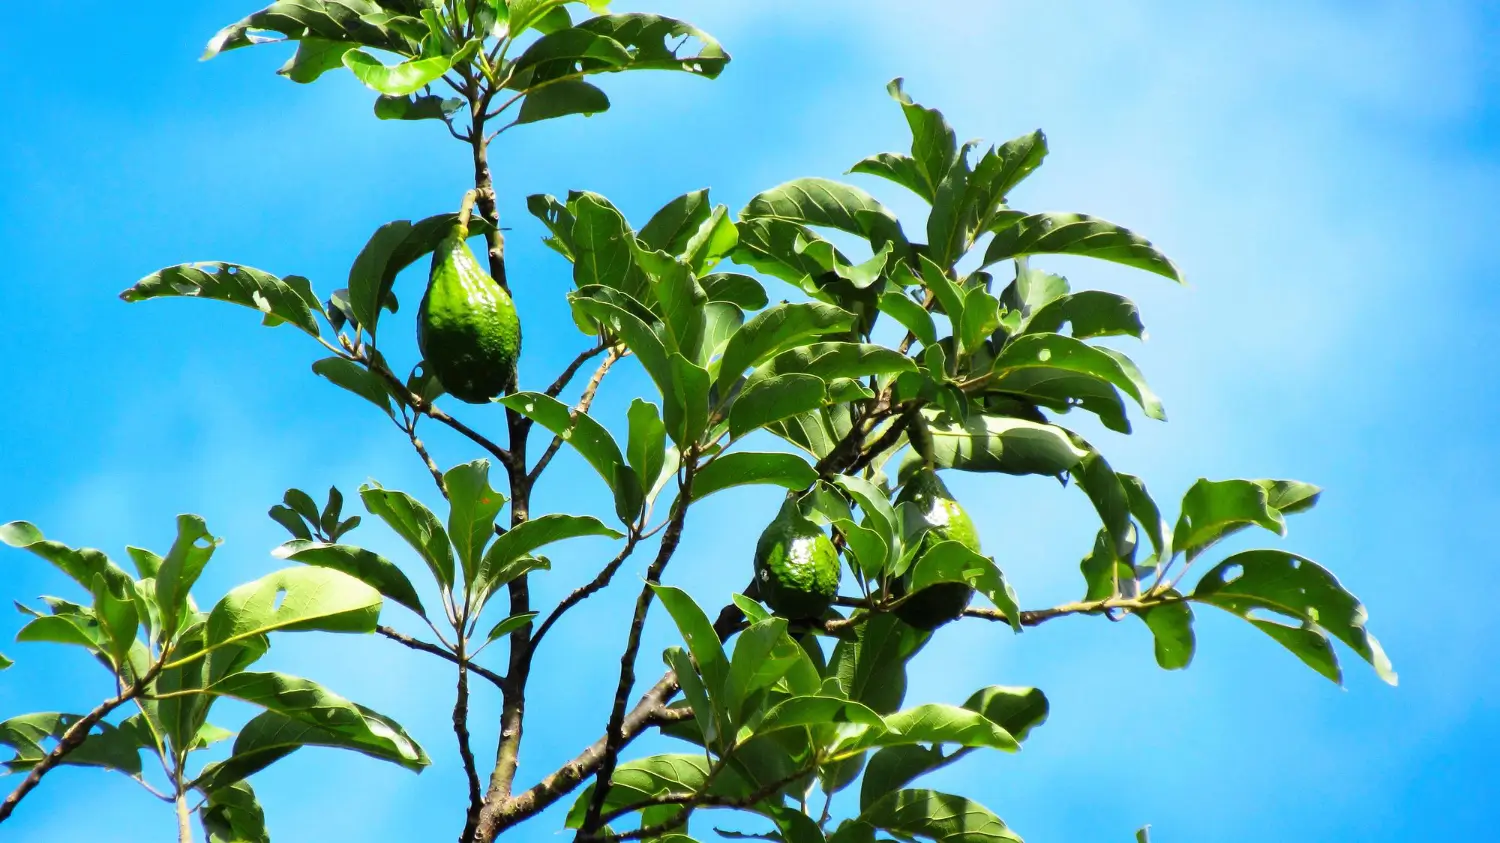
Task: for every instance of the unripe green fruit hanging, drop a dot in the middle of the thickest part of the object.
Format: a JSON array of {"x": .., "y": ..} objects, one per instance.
[
  {"x": 944, "y": 520},
  {"x": 796, "y": 567},
  {"x": 467, "y": 326}
]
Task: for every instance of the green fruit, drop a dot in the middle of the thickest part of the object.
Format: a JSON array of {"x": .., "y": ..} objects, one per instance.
[
  {"x": 797, "y": 568},
  {"x": 944, "y": 520},
  {"x": 467, "y": 326}
]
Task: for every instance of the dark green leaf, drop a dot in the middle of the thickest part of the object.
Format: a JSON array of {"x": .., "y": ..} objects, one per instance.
[
  {"x": 416, "y": 107},
  {"x": 116, "y": 607},
  {"x": 81, "y": 564},
  {"x": 1055, "y": 351},
  {"x": 1290, "y": 496},
  {"x": 314, "y": 57},
  {"x": 656, "y": 43},
  {"x": 901, "y": 169},
  {"x": 417, "y": 525},
  {"x": 750, "y": 467},
  {"x": 647, "y": 445},
  {"x": 394, "y": 246},
  {"x": 509, "y": 625},
  {"x": 937, "y": 816},
  {"x": 934, "y": 145},
  {"x": 763, "y": 654},
  {"x": 560, "y": 99},
  {"x": 270, "y": 736},
  {"x": 670, "y": 229},
  {"x": 351, "y": 21},
  {"x": 1061, "y": 391},
  {"x": 32, "y": 735},
  {"x": 601, "y": 243},
  {"x": 531, "y": 535},
  {"x": 871, "y": 668},
  {"x": 1000, "y": 444},
  {"x": 912, "y": 316},
  {"x": 276, "y": 299},
  {"x": 813, "y": 711},
  {"x": 773, "y": 399},
  {"x": 232, "y": 814},
  {"x": 566, "y": 52},
  {"x": 1089, "y": 314},
  {"x": 698, "y": 633},
  {"x": 953, "y": 561},
  {"x": 737, "y": 289},
  {"x": 1172, "y": 626},
  {"x": 1290, "y": 585},
  {"x": 366, "y": 566},
  {"x": 777, "y": 329},
  {"x": 355, "y": 378},
  {"x": 823, "y": 203},
  {"x": 1077, "y": 234}
]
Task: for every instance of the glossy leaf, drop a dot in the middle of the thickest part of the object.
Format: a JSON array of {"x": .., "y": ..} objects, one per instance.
[
  {"x": 270, "y": 736},
  {"x": 799, "y": 712},
  {"x": 737, "y": 289},
  {"x": 1291, "y": 585},
  {"x": 742, "y": 468},
  {"x": 775, "y": 398},
  {"x": 366, "y": 566},
  {"x": 777, "y": 329},
  {"x": 416, "y": 107},
  {"x": 953, "y": 561},
  {"x": 32, "y": 736},
  {"x": 276, "y": 299},
  {"x": 656, "y": 43},
  {"x": 529, "y": 536},
  {"x": 935, "y": 723},
  {"x": 1055, "y": 351},
  {"x": 901, "y": 169},
  {"x": 397, "y": 80},
  {"x": 1000, "y": 444},
  {"x": 936, "y": 816},
  {"x": 934, "y": 146},
  {"x": 117, "y": 608},
  {"x": 763, "y": 654},
  {"x": 1088, "y": 314},
  {"x": 698, "y": 633},
  {"x": 293, "y": 600},
  {"x": 232, "y": 814},
  {"x": 672, "y": 227},
  {"x": 1077, "y": 234},
  {"x": 647, "y": 445},
  {"x": 417, "y": 525},
  {"x": 355, "y": 378},
  {"x": 912, "y": 316},
  {"x": 824, "y": 203},
  {"x": 352, "y": 21},
  {"x": 509, "y": 625},
  {"x": 392, "y": 248},
  {"x": 1212, "y": 510}
]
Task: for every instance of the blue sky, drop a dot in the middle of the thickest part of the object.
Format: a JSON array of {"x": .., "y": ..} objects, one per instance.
[{"x": 1323, "y": 172}]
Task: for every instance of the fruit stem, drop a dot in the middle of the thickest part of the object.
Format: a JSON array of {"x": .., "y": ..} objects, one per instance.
[{"x": 466, "y": 210}]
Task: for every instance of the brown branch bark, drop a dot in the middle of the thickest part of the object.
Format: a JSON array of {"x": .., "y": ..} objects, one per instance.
[
  {"x": 74, "y": 736},
  {"x": 465, "y": 752},
  {"x": 584, "y": 402},
  {"x": 417, "y": 644},
  {"x": 613, "y": 736}
]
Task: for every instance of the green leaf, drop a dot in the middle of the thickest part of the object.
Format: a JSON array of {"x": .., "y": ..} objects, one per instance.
[
  {"x": 763, "y": 654},
  {"x": 981, "y": 316},
  {"x": 1055, "y": 351},
  {"x": 1291, "y": 585},
  {"x": 181, "y": 568},
  {"x": 5, "y": 662},
  {"x": 314, "y": 57},
  {"x": 351, "y": 21},
  {"x": 698, "y": 633},
  {"x": 798, "y": 712},
  {"x": 709, "y": 720},
  {"x": 778, "y": 329},
  {"x": 270, "y": 736},
  {"x": 784, "y": 250},
  {"x": 473, "y": 507},
  {"x": 901, "y": 169},
  {"x": 833, "y": 360},
  {"x": 560, "y": 99},
  {"x": 1212, "y": 510},
  {"x": 643, "y": 778},
  {"x": 81, "y": 564},
  {"x": 304, "y": 701},
  {"x": 656, "y": 43},
  {"x": 647, "y": 445},
  {"x": 115, "y": 606},
  {"x": 936, "y": 816},
  {"x": 600, "y": 242},
  {"x": 1000, "y": 444},
  {"x": 737, "y": 289},
  {"x": 368, "y": 567},
  {"x": 687, "y": 413},
  {"x": 947, "y": 228},
  {"x": 527, "y": 537},
  {"x": 823, "y": 203},
  {"x": 1062, "y": 391},
  {"x": 392, "y": 248},
  {"x": 277, "y": 299},
  {"x": 31, "y": 736},
  {"x": 582, "y": 431},
  {"x": 934, "y": 146},
  {"x": 232, "y": 814},
  {"x": 714, "y": 240},
  {"x": 1000, "y": 170},
  {"x": 912, "y": 316},
  {"x": 509, "y": 625},
  {"x": 1145, "y": 510},
  {"x": 743, "y": 468},
  {"x": 398, "y": 80},
  {"x": 566, "y": 52},
  {"x": 1290, "y": 496},
  {"x": 934, "y": 723},
  {"x": 871, "y": 668},
  {"x": 355, "y": 378},
  {"x": 64, "y": 628},
  {"x": 293, "y": 600},
  {"x": 416, "y": 107},
  {"x": 1105, "y": 490},
  {"x": 773, "y": 399},
  {"x": 1089, "y": 314},
  {"x": 417, "y": 525},
  {"x": 1171, "y": 625},
  {"x": 1077, "y": 234},
  {"x": 672, "y": 227},
  {"x": 953, "y": 561}
]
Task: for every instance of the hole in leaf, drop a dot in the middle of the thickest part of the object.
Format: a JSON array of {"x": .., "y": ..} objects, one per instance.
[
  {"x": 1232, "y": 573},
  {"x": 277, "y": 601}
]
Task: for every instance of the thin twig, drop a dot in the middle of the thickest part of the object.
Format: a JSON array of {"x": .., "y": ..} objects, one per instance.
[
  {"x": 583, "y": 405},
  {"x": 582, "y": 593},
  {"x": 567, "y": 374},
  {"x": 417, "y": 644},
  {"x": 465, "y": 752},
  {"x": 613, "y": 736}
]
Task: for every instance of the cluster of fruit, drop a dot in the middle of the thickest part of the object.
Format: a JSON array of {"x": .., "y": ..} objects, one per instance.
[{"x": 797, "y": 567}]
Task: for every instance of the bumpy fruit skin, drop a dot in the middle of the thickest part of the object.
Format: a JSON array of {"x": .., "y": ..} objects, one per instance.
[
  {"x": 945, "y": 520},
  {"x": 797, "y": 568},
  {"x": 467, "y": 326}
]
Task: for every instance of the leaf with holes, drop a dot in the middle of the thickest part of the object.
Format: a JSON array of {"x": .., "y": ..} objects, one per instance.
[
  {"x": 1296, "y": 587},
  {"x": 656, "y": 42},
  {"x": 366, "y": 566},
  {"x": 293, "y": 600},
  {"x": 278, "y": 300},
  {"x": 1055, "y": 351}
]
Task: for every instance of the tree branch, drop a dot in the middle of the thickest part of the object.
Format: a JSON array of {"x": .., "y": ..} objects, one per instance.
[
  {"x": 461, "y": 731},
  {"x": 582, "y": 593},
  {"x": 74, "y": 736},
  {"x": 584, "y": 402},
  {"x": 417, "y": 644},
  {"x": 567, "y": 375},
  {"x": 613, "y": 736}
]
